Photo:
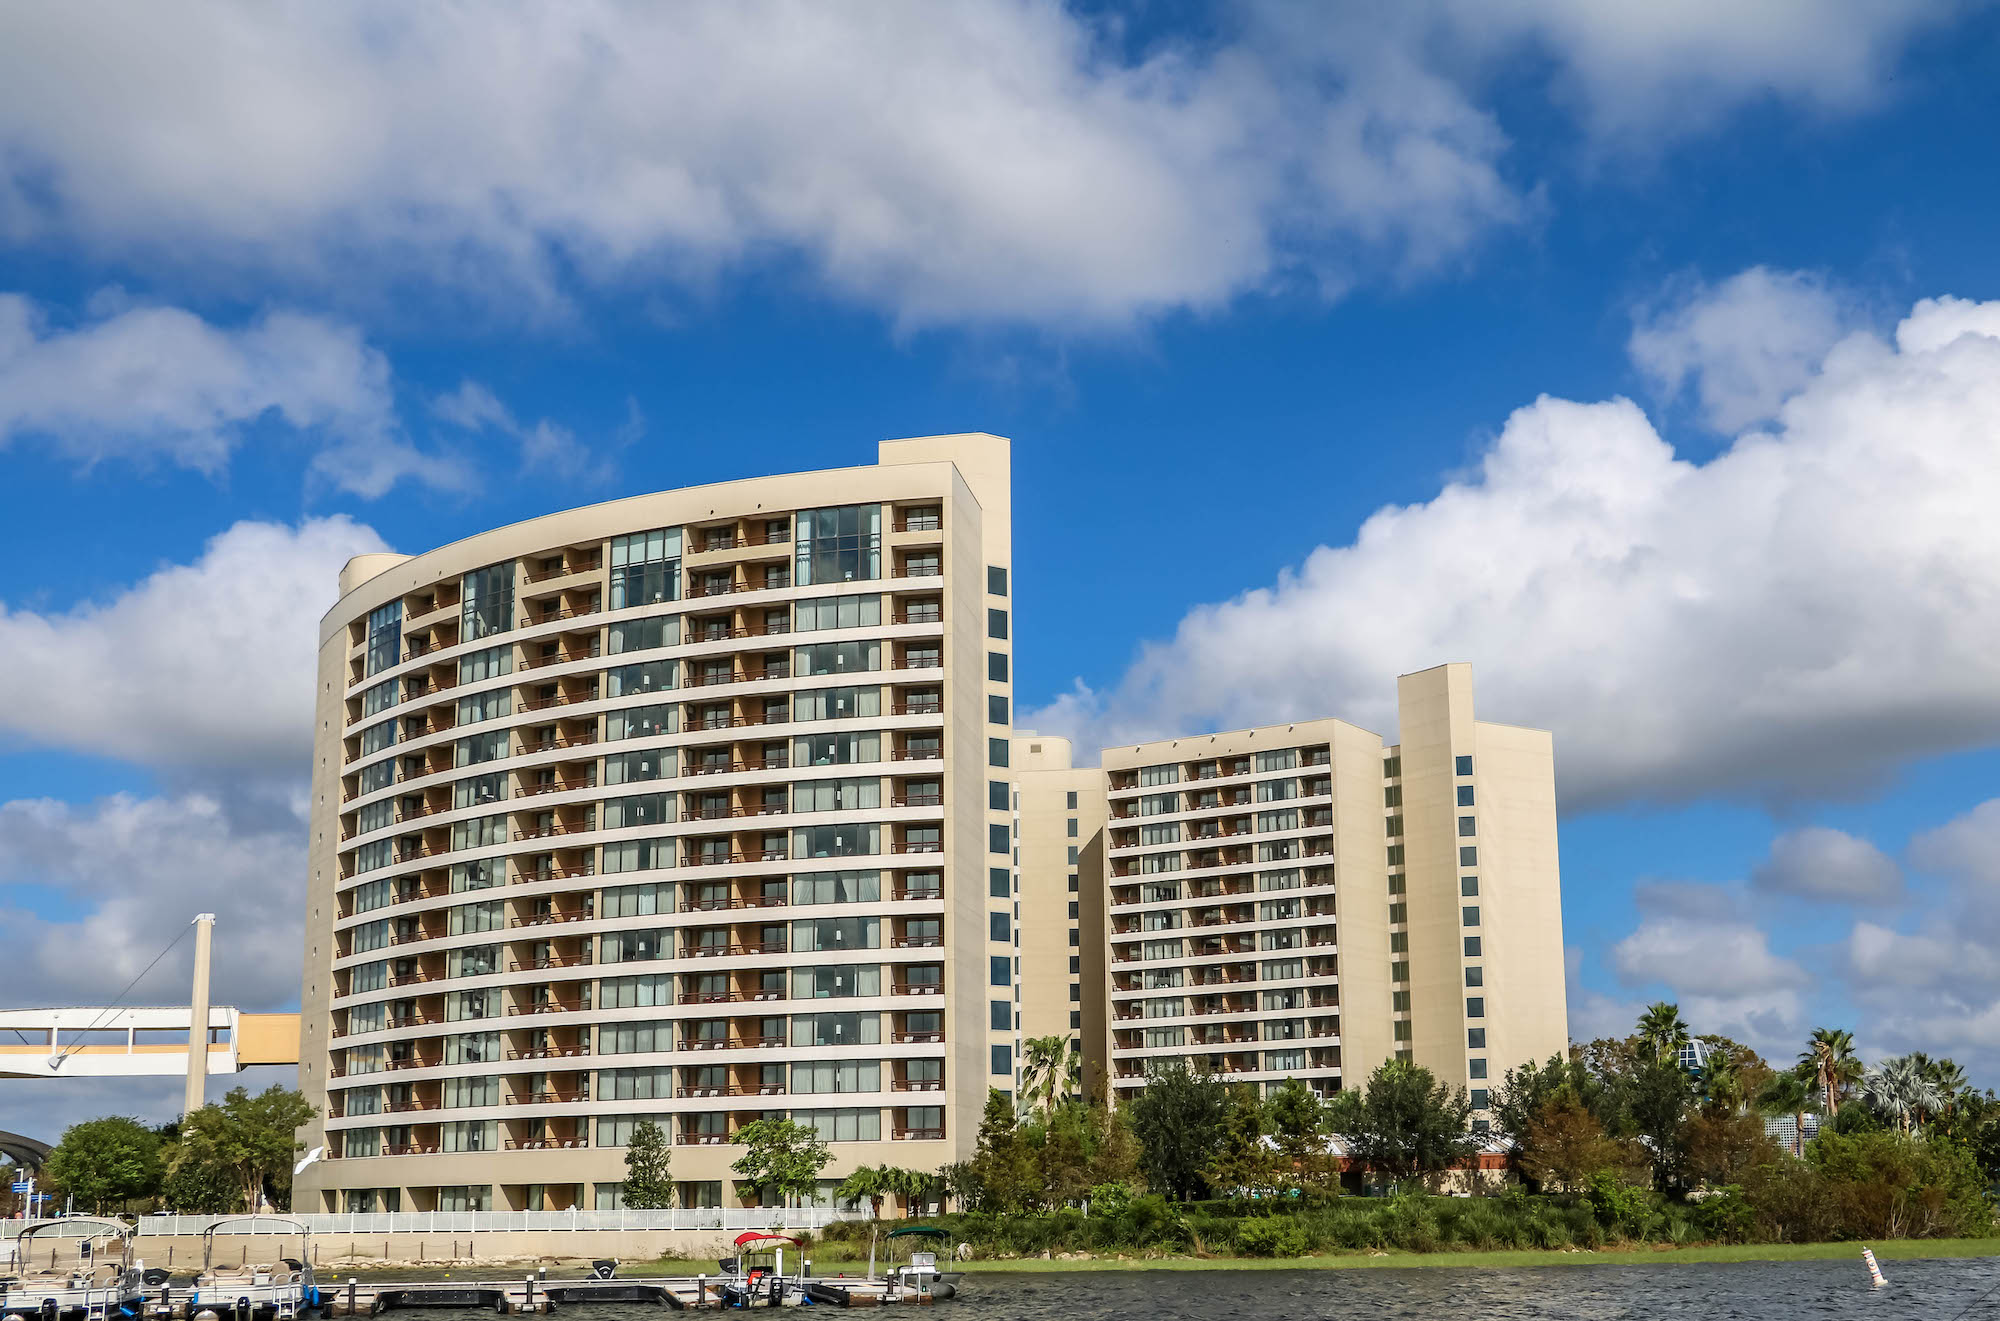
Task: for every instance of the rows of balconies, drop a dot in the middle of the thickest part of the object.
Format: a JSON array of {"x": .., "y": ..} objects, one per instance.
[
  {"x": 1311, "y": 815},
  {"x": 1126, "y": 948},
  {"x": 1201, "y": 770},
  {"x": 1239, "y": 800},
  {"x": 1212, "y": 859},
  {"x": 569, "y": 1133},
  {"x": 1264, "y": 912},
  {"x": 912, "y": 1077},
  {"x": 1154, "y": 893},
  {"x": 1229, "y": 1004},
  {"x": 1248, "y": 1032},
  {"x": 1131, "y": 975}
]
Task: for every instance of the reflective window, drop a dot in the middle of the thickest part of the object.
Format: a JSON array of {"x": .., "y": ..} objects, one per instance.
[{"x": 837, "y": 545}]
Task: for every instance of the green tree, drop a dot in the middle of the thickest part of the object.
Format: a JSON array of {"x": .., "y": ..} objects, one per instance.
[
  {"x": 1405, "y": 1123},
  {"x": 1902, "y": 1091},
  {"x": 1657, "y": 1097},
  {"x": 105, "y": 1162},
  {"x": 781, "y": 1156},
  {"x": 254, "y": 1138},
  {"x": 1563, "y": 1145},
  {"x": 1789, "y": 1095},
  {"x": 1240, "y": 1161},
  {"x": 1051, "y": 1070},
  {"x": 649, "y": 1180},
  {"x": 1176, "y": 1117},
  {"x": 1001, "y": 1176},
  {"x": 1296, "y": 1119},
  {"x": 1662, "y": 1031},
  {"x": 1829, "y": 1059}
]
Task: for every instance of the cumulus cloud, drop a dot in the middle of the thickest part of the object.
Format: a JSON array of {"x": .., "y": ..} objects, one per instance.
[
  {"x": 547, "y": 448},
  {"x": 160, "y": 383},
  {"x": 1017, "y": 160},
  {"x": 134, "y": 871},
  {"x": 205, "y": 666},
  {"x": 1746, "y": 345},
  {"x": 1819, "y": 862},
  {"x": 1803, "y": 613},
  {"x": 1708, "y": 958},
  {"x": 1966, "y": 849}
]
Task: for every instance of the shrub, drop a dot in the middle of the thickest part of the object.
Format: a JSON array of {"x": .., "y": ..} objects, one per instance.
[{"x": 1272, "y": 1237}]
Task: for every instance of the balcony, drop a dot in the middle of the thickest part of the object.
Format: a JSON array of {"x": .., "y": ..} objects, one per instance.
[
  {"x": 916, "y": 1038},
  {"x": 555, "y": 743},
  {"x": 553, "y": 787},
  {"x": 547, "y": 1144},
  {"x": 728, "y": 997},
  {"x": 720, "y": 951},
  {"x": 548, "y": 1007},
  {"x": 916, "y": 1085},
  {"x": 760, "y": 1089},
  {"x": 916, "y": 1135},
  {"x": 916, "y": 988},
  {"x": 917, "y": 942},
  {"x": 550, "y": 1053},
  {"x": 548, "y": 1098}
]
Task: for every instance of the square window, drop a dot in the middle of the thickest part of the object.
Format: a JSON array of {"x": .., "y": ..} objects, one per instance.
[
  {"x": 1466, "y": 825},
  {"x": 1475, "y": 1006},
  {"x": 996, "y": 838},
  {"x": 1465, "y": 765},
  {"x": 996, "y": 667},
  {"x": 996, "y": 580},
  {"x": 1475, "y": 1038},
  {"x": 1072, "y": 800},
  {"x": 1468, "y": 854},
  {"x": 1469, "y": 915},
  {"x": 996, "y": 714},
  {"x": 1468, "y": 887},
  {"x": 1072, "y": 827},
  {"x": 996, "y": 624},
  {"x": 1001, "y": 1016},
  {"x": 999, "y": 970},
  {"x": 996, "y": 755},
  {"x": 1479, "y": 1098},
  {"x": 998, "y": 883},
  {"x": 1477, "y": 1069},
  {"x": 997, "y": 926},
  {"x": 1475, "y": 976},
  {"x": 1465, "y": 795},
  {"x": 996, "y": 795},
  {"x": 1003, "y": 1060},
  {"x": 1472, "y": 947}
]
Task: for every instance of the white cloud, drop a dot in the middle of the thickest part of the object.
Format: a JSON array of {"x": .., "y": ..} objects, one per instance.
[
  {"x": 132, "y": 872},
  {"x": 547, "y": 448},
  {"x": 160, "y": 383},
  {"x": 1819, "y": 862},
  {"x": 1714, "y": 959},
  {"x": 207, "y": 666},
  {"x": 1006, "y": 161},
  {"x": 1801, "y": 614},
  {"x": 1746, "y": 344},
  {"x": 1966, "y": 849}
]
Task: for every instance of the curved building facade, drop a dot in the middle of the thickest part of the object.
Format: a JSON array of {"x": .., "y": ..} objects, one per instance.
[{"x": 690, "y": 807}]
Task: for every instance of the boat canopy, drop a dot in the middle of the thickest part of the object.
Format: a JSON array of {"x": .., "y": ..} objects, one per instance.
[
  {"x": 757, "y": 1236},
  {"x": 921, "y": 1231},
  {"x": 78, "y": 1227}
]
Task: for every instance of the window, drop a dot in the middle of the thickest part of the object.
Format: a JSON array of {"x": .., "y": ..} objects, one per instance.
[
  {"x": 641, "y": 722},
  {"x": 1398, "y": 913},
  {"x": 1401, "y": 1029},
  {"x": 1465, "y": 765},
  {"x": 996, "y": 624},
  {"x": 489, "y": 746},
  {"x": 850, "y": 840},
  {"x": 839, "y": 545},
  {"x": 837, "y": 887},
  {"x": 1399, "y": 1002},
  {"x": 634, "y": 1084},
  {"x": 1479, "y": 1098},
  {"x": 385, "y": 636},
  {"x": 996, "y": 666},
  {"x": 996, "y": 580},
  {"x": 634, "y": 946},
  {"x": 1287, "y": 819},
  {"x": 1475, "y": 1006},
  {"x": 1284, "y": 759},
  {"x": 639, "y": 854},
  {"x": 645, "y": 677},
  {"x": 821, "y": 612},
  {"x": 1399, "y": 942},
  {"x": 639, "y": 810},
  {"x": 1465, "y": 795},
  {"x": 470, "y": 919},
  {"x": 996, "y": 709},
  {"x": 996, "y": 752},
  {"x": 488, "y": 604},
  {"x": 1472, "y": 947},
  {"x": 630, "y": 767},
  {"x": 1468, "y": 887},
  {"x": 379, "y": 698},
  {"x": 998, "y": 838},
  {"x": 824, "y": 658},
  {"x": 1003, "y": 1060},
  {"x": 832, "y": 934},
  {"x": 471, "y": 710},
  {"x": 996, "y": 795},
  {"x": 1395, "y": 855},
  {"x": 1272, "y": 791},
  {"x": 645, "y": 568},
  {"x": 1072, "y": 855},
  {"x": 488, "y": 664},
  {"x": 998, "y": 882},
  {"x": 1475, "y": 976},
  {"x": 999, "y": 971},
  {"x": 1152, "y": 775},
  {"x": 1000, "y": 1015},
  {"x": 839, "y": 703},
  {"x": 822, "y": 1077},
  {"x": 1469, "y": 915},
  {"x": 1476, "y": 1068},
  {"x": 1394, "y": 828},
  {"x": 836, "y": 795},
  {"x": 837, "y": 749},
  {"x": 645, "y": 634},
  {"x": 1466, "y": 826},
  {"x": 644, "y": 991},
  {"x": 1468, "y": 855},
  {"x": 1392, "y": 796},
  {"x": 638, "y": 900},
  {"x": 997, "y": 928},
  {"x": 1072, "y": 800},
  {"x": 1072, "y": 825},
  {"x": 838, "y": 981}
]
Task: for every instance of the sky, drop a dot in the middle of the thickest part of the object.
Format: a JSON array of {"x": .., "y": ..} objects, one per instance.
[{"x": 1646, "y": 357}]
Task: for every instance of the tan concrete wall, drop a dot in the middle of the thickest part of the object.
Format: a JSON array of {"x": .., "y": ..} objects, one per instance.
[
  {"x": 176, "y": 1251},
  {"x": 1045, "y": 779}
]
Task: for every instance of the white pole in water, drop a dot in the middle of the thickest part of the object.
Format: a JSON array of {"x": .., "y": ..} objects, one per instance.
[{"x": 1874, "y": 1271}]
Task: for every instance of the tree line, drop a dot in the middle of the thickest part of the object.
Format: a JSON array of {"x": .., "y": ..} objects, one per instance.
[{"x": 235, "y": 1155}]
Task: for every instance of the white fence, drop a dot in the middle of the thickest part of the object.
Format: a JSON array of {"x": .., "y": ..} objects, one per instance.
[{"x": 490, "y": 1222}]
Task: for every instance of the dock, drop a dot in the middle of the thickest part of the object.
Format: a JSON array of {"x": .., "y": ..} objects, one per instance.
[{"x": 535, "y": 1295}]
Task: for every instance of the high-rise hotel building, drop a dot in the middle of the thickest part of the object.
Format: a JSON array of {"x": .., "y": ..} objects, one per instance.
[
  {"x": 1302, "y": 901},
  {"x": 691, "y": 807}
]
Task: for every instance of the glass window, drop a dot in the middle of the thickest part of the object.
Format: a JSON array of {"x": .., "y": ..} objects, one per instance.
[
  {"x": 996, "y": 580},
  {"x": 998, "y": 882},
  {"x": 484, "y": 706},
  {"x": 1475, "y": 976},
  {"x": 634, "y": 946},
  {"x": 1475, "y": 1006},
  {"x": 1476, "y": 1068},
  {"x": 646, "y": 990},
  {"x": 998, "y": 838},
  {"x": 479, "y": 832},
  {"x": 817, "y": 935},
  {"x": 1468, "y": 886},
  {"x": 645, "y": 677},
  {"x": 639, "y": 810},
  {"x": 1465, "y": 765},
  {"x": 1283, "y": 759},
  {"x": 379, "y": 698},
  {"x": 996, "y": 709},
  {"x": 839, "y": 703},
  {"x": 1152, "y": 775},
  {"x": 1472, "y": 947},
  {"x": 1475, "y": 1038},
  {"x": 385, "y": 636},
  {"x": 996, "y": 624},
  {"x": 483, "y": 874},
  {"x": 488, "y": 664},
  {"x": 1003, "y": 1060},
  {"x": 996, "y": 752},
  {"x": 470, "y": 919},
  {"x": 839, "y": 544},
  {"x": 822, "y": 612},
  {"x": 842, "y": 1125},
  {"x": 631, "y": 767},
  {"x": 834, "y": 887},
  {"x": 1468, "y": 855},
  {"x": 996, "y": 666},
  {"x": 638, "y": 900},
  {"x": 645, "y": 634},
  {"x": 472, "y": 961},
  {"x": 1466, "y": 826},
  {"x": 645, "y": 568},
  {"x": 836, "y": 1029},
  {"x": 821, "y": 1077},
  {"x": 1469, "y": 915},
  {"x": 1275, "y": 791},
  {"x": 1465, "y": 795},
  {"x": 848, "y": 840},
  {"x": 837, "y": 982},
  {"x": 997, "y": 927},
  {"x": 641, "y": 722},
  {"x": 836, "y": 795},
  {"x": 488, "y": 603},
  {"x": 639, "y": 854}
]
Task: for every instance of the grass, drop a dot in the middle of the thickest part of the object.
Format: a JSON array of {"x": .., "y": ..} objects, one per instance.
[{"x": 1636, "y": 1255}]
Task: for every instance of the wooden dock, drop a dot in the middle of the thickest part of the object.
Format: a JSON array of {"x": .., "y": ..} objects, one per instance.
[{"x": 536, "y": 1295}]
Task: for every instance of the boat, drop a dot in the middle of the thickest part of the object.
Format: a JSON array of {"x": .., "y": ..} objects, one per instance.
[
  {"x": 755, "y": 1276},
  {"x": 919, "y": 1278},
  {"x": 272, "y": 1288},
  {"x": 77, "y": 1268}
]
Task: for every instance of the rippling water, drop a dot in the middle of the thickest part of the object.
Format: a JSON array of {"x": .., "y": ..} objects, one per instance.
[{"x": 1940, "y": 1290}]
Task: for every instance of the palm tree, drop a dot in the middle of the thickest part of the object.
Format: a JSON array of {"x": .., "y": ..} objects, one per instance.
[
  {"x": 1789, "y": 1094},
  {"x": 1901, "y": 1088},
  {"x": 1829, "y": 1057},
  {"x": 1949, "y": 1078},
  {"x": 1049, "y": 1065},
  {"x": 1662, "y": 1030}
]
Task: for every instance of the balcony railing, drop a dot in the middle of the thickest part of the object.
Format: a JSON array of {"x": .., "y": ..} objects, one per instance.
[{"x": 916, "y": 1134}]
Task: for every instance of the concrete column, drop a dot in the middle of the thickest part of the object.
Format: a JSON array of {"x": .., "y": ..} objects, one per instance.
[{"x": 197, "y": 1074}]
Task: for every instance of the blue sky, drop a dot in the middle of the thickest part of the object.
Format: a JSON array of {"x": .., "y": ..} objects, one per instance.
[{"x": 1238, "y": 284}]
